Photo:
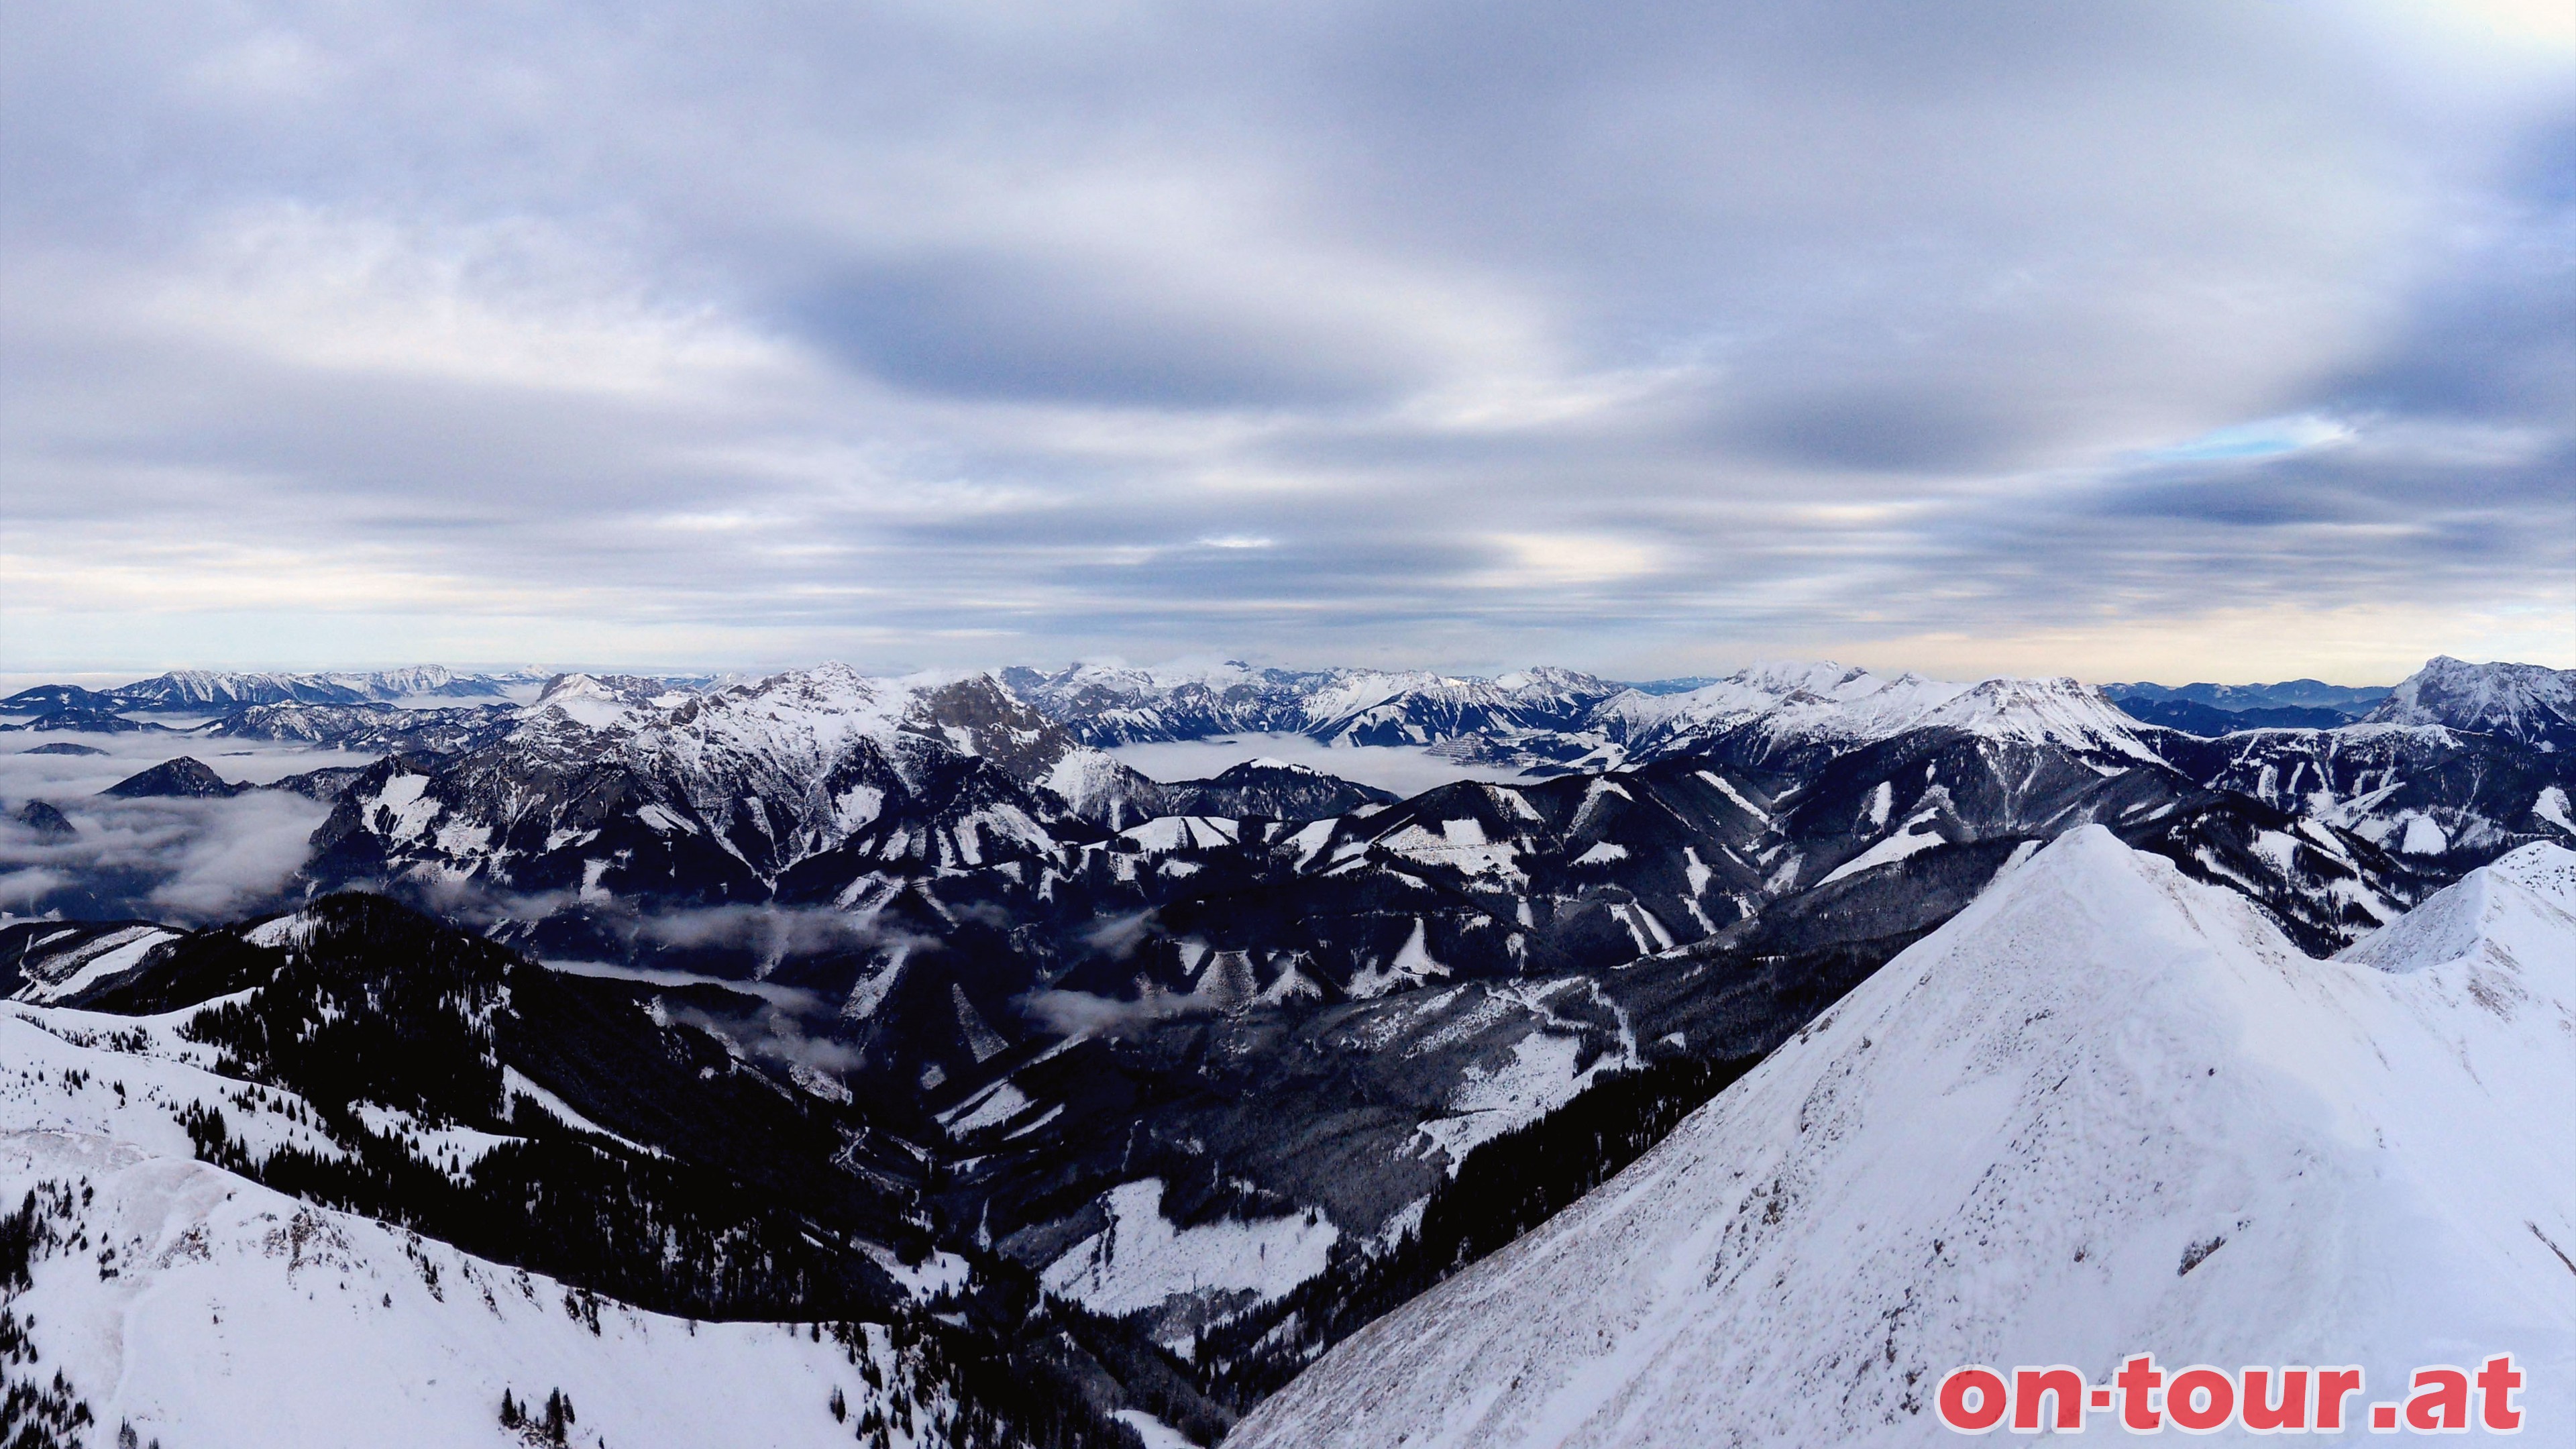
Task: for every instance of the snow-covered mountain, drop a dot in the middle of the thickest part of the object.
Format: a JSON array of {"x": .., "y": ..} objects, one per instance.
[
  {"x": 2423, "y": 791},
  {"x": 604, "y": 786},
  {"x": 2522, "y": 702},
  {"x": 1114, "y": 705},
  {"x": 1106, "y": 704},
  {"x": 1419, "y": 708},
  {"x": 603, "y": 700},
  {"x": 1853, "y": 702},
  {"x": 1264, "y": 789},
  {"x": 211, "y": 691},
  {"x": 2105, "y": 1110},
  {"x": 218, "y": 691},
  {"x": 1799, "y": 713}
]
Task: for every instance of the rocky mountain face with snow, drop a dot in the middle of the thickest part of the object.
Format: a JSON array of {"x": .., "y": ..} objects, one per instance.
[
  {"x": 1185, "y": 1077},
  {"x": 2520, "y": 702},
  {"x": 1108, "y": 705}
]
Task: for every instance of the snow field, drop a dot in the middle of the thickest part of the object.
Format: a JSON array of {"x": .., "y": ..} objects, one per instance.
[
  {"x": 238, "y": 1318},
  {"x": 210, "y": 1311}
]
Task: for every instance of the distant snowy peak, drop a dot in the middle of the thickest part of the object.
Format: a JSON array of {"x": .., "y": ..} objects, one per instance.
[
  {"x": 791, "y": 727},
  {"x": 1821, "y": 689},
  {"x": 1107, "y": 704},
  {"x": 1825, "y": 703},
  {"x": 1112, "y": 704},
  {"x": 603, "y": 701},
  {"x": 215, "y": 691},
  {"x": 621, "y": 784},
  {"x": 2526, "y": 702},
  {"x": 809, "y": 716},
  {"x": 377, "y": 728},
  {"x": 1420, "y": 708},
  {"x": 1564, "y": 715},
  {"x": 2041, "y": 711}
]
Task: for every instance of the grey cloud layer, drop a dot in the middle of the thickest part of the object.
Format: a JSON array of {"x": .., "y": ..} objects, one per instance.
[{"x": 1436, "y": 333}]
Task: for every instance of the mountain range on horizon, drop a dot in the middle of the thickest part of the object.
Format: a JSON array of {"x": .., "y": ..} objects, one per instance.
[
  {"x": 193, "y": 690},
  {"x": 1533, "y": 719}
]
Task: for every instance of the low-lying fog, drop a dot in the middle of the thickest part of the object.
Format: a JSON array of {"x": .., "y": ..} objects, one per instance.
[{"x": 184, "y": 861}]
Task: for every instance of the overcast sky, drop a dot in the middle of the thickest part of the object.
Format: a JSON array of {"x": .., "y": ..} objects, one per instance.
[{"x": 2232, "y": 340}]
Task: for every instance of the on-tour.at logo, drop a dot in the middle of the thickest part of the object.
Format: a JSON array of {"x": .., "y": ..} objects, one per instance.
[{"x": 2143, "y": 1398}]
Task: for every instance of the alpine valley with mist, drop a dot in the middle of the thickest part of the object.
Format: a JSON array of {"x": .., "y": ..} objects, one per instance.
[{"x": 1111, "y": 1056}]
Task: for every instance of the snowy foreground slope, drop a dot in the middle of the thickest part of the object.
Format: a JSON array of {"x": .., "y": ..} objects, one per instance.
[
  {"x": 2105, "y": 1110},
  {"x": 209, "y": 1312}
]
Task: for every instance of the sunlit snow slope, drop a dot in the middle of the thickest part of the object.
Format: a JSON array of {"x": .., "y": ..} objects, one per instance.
[{"x": 2105, "y": 1110}]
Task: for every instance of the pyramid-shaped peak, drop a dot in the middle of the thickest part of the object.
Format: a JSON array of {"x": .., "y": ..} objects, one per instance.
[{"x": 2521, "y": 907}]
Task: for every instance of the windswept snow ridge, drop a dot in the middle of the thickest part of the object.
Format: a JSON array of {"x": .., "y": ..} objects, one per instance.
[{"x": 2105, "y": 1110}]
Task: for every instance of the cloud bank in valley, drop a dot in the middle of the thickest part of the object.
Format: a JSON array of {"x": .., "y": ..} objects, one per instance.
[
  {"x": 185, "y": 861},
  {"x": 1646, "y": 338}
]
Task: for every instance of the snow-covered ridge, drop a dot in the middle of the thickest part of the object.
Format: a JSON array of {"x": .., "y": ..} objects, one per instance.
[
  {"x": 203, "y": 1309},
  {"x": 1830, "y": 704},
  {"x": 1106, "y": 704},
  {"x": 2104, "y": 1110},
  {"x": 601, "y": 701},
  {"x": 212, "y": 690},
  {"x": 1766, "y": 688},
  {"x": 2521, "y": 906}
]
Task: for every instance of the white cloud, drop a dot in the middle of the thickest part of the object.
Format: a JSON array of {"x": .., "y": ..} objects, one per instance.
[
  {"x": 1541, "y": 560},
  {"x": 167, "y": 859},
  {"x": 507, "y": 303}
]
